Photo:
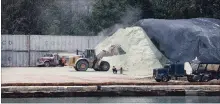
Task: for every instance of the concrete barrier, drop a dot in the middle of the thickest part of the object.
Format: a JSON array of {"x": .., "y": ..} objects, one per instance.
[{"x": 112, "y": 90}]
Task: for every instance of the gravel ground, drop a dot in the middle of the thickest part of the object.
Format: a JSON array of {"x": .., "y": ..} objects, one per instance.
[
  {"x": 61, "y": 75},
  {"x": 14, "y": 75}
]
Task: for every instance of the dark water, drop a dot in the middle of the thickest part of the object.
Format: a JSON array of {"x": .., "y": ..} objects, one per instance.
[{"x": 156, "y": 99}]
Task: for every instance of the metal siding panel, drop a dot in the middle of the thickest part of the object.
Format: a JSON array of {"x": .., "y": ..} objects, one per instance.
[
  {"x": 68, "y": 43},
  {"x": 42, "y": 43},
  {"x": 36, "y": 42},
  {"x": 87, "y": 42},
  {"x": 60, "y": 42},
  {"x": 86, "y": 45},
  {"x": 71, "y": 43},
  {"x": 98, "y": 40},
  {"x": 79, "y": 42},
  {"x": 75, "y": 42},
  {"x": 63, "y": 43},
  {"x": 12, "y": 59},
  {"x": 83, "y": 42},
  {"x": 52, "y": 42},
  {"x": 93, "y": 42},
  {"x": 90, "y": 42},
  {"x": 35, "y": 56},
  {"x": 14, "y": 42},
  {"x": 56, "y": 43},
  {"x": 66, "y": 46}
]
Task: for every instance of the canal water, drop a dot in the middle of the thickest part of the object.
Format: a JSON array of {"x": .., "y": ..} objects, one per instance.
[{"x": 155, "y": 99}]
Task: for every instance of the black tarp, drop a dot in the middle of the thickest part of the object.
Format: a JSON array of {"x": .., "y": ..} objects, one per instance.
[{"x": 184, "y": 39}]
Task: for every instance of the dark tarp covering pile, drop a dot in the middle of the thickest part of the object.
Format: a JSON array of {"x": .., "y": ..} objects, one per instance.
[{"x": 184, "y": 39}]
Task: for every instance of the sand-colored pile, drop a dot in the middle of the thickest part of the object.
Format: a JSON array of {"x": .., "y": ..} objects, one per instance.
[{"x": 141, "y": 55}]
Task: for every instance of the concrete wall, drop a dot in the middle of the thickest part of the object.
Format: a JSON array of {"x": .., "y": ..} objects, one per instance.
[{"x": 23, "y": 50}]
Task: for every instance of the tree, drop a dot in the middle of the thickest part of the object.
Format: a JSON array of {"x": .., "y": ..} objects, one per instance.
[
  {"x": 208, "y": 8},
  {"x": 109, "y": 12},
  {"x": 88, "y": 17},
  {"x": 44, "y": 17},
  {"x": 20, "y": 16},
  {"x": 145, "y": 6},
  {"x": 179, "y": 9},
  {"x": 106, "y": 13}
]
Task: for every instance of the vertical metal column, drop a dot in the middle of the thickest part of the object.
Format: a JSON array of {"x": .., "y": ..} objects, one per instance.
[
  {"x": 29, "y": 48},
  {"x": 88, "y": 43}
]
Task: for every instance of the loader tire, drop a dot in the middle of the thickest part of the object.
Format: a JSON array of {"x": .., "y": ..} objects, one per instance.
[
  {"x": 104, "y": 66},
  {"x": 196, "y": 78},
  {"x": 205, "y": 78},
  {"x": 190, "y": 79},
  {"x": 96, "y": 69},
  {"x": 46, "y": 64},
  {"x": 165, "y": 78},
  {"x": 158, "y": 80},
  {"x": 82, "y": 65}
]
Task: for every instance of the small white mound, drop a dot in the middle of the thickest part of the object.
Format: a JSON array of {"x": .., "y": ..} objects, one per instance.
[{"x": 141, "y": 55}]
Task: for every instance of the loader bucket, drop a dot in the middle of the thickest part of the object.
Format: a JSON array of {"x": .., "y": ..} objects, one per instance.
[
  {"x": 116, "y": 50},
  {"x": 112, "y": 51}
]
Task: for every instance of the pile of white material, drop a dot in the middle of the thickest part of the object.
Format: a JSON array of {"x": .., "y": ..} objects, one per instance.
[{"x": 141, "y": 55}]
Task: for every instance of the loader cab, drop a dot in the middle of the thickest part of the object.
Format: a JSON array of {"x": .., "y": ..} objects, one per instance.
[{"x": 89, "y": 53}]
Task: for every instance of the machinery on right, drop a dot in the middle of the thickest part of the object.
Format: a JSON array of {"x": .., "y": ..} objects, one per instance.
[{"x": 195, "y": 71}]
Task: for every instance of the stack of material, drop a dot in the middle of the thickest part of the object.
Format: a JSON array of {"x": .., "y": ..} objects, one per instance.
[{"x": 141, "y": 55}]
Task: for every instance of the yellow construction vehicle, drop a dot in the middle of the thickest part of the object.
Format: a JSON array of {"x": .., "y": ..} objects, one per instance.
[{"x": 89, "y": 59}]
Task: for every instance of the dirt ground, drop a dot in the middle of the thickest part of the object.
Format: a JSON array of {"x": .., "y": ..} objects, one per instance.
[
  {"x": 13, "y": 75},
  {"x": 61, "y": 75}
]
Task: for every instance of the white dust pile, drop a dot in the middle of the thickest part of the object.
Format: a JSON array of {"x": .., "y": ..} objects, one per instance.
[{"x": 141, "y": 55}]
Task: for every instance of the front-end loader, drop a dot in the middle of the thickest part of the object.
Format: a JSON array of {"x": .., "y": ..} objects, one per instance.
[{"x": 89, "y": 59}]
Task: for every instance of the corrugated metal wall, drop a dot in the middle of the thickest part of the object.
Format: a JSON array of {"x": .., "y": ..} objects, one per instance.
[
  {"x": 16, "y": 50},
  {"x": 14, "y": 42},
  {"x": 13, "y": 59}
]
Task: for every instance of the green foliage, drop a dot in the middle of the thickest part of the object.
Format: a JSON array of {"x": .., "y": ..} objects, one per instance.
[
  {"x": 72, "y": 17},
  {"x": 179, "y": 9},
  {"x": 145, "y": 6},
  {"x": 19, "y": 16},
  {"x": 109, "y": 12},
  {"x": 106, "y": 13}
]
